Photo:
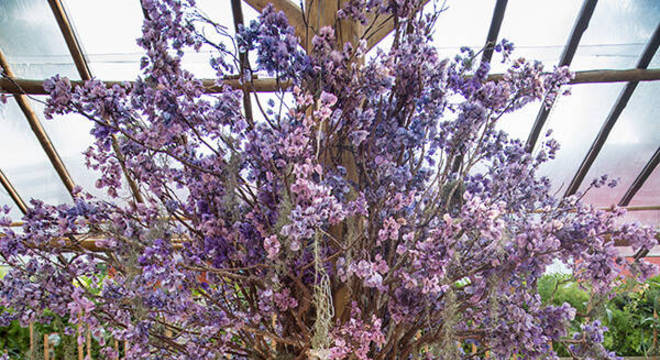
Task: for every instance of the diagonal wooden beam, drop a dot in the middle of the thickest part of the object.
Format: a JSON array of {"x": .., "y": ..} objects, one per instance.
[
  {"x": 13, "y": 193},
  {"x": 379, "y": 27},
  {"x": 494, "y": 30},
  {"x": 489, "y": 46},
  {"x": 39, "y": 131},
  {"x": 641, "y": 178},
  {"x": 292, "y": 11},
  {"x": 613, "y": 116},
  {"x": 70, "y": 39},
  {"x": 579, "y": 28},
  {"x": 85, "y": 74}
]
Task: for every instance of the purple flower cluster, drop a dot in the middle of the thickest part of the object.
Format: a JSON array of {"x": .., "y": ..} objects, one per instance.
[{"x": 373, "y": 211}]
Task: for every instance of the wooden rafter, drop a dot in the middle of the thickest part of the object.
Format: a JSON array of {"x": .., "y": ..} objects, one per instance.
[
  {"x": 36, "y": 87},
  {"x": 494, "y": 30},
  {"x": 381, "y": 26},
  {"x": 70, "y": 39},
  {"x": 39, "y": 131},
  {"x": 13, "y": 193},
  {"x": 579, "y": 28},
  {"x": 641, "y": 178},
  {"x": 489, "y": 46},
  {"x": 613, "y": 116},
  {"x": 85, "y": 74}
]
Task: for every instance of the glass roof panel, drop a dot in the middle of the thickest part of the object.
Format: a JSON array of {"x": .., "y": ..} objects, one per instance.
[
  {"x": 115, "y": 55},
  {"x": 71, "y": 136},
  {"x": 649, "y": 193},
  {"x": 446, "y": 38},
  {"x": 538, "y": 29},
  {"x": 574, "y": 121},
  {"x": 24, "y": 161},
  {"x": 463, "y": 23},
  {"x": 220, "y": 13},
  {"x": 617, "y": 47},
  {"x": 15, "y": 213},
  {"x": 631, "y": 143},
  {"x": 107, "y": 31},
  {"x": 32, "y": 41}
]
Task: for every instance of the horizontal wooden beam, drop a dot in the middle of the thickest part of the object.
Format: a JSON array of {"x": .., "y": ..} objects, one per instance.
[{"x": 36, "y": 87}]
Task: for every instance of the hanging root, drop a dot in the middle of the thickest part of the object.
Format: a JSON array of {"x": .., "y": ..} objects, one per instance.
[{"x": 323, "y": 304}]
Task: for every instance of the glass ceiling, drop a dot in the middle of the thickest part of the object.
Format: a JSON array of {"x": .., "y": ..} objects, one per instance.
[{"x": 617, "y": 34}]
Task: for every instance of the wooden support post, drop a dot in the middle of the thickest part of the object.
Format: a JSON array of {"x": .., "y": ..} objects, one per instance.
[
  {"x": 81, "y": 354},
  {"x": 31, "y": 327},
  {"x": 46, "y": 348},
  {"x": 116, "y": 347},
  {"x": 89, "y": 344}
]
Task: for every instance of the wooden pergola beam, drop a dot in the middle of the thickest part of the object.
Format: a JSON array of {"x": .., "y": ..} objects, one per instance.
[
  {"x": 613, "y": 116},
  {"x": 36, "y": 87},
  {"x": 641, "y": 178},
  {"x": 566, "y": 58},
  {"x": 13, "y": 193},
  {"x": 39, "y": 131}
]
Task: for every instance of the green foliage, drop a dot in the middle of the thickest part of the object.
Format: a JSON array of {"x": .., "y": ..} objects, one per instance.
[{"x": 631, "y": 315}]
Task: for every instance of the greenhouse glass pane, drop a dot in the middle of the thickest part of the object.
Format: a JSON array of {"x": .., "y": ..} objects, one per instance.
[
  {"x": 617, "y": 47},
  {"x": 24, "y": 161},
  {"x": 463, "y": 23},
  {"x": 115, "y": 55},
  {"x": 71, "y": 136},
  {"x": 220, "y": 13},
  {"x": 631, "y": 143},
  {"x": 574, "y": 120},
  {"x": 649, "y": 193},
  {"x": 538, "y": 29},
  {"x": 107, "y": 31},
  {"x": 15, "y": 213},
  {"x": 32, "y": 41}
]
